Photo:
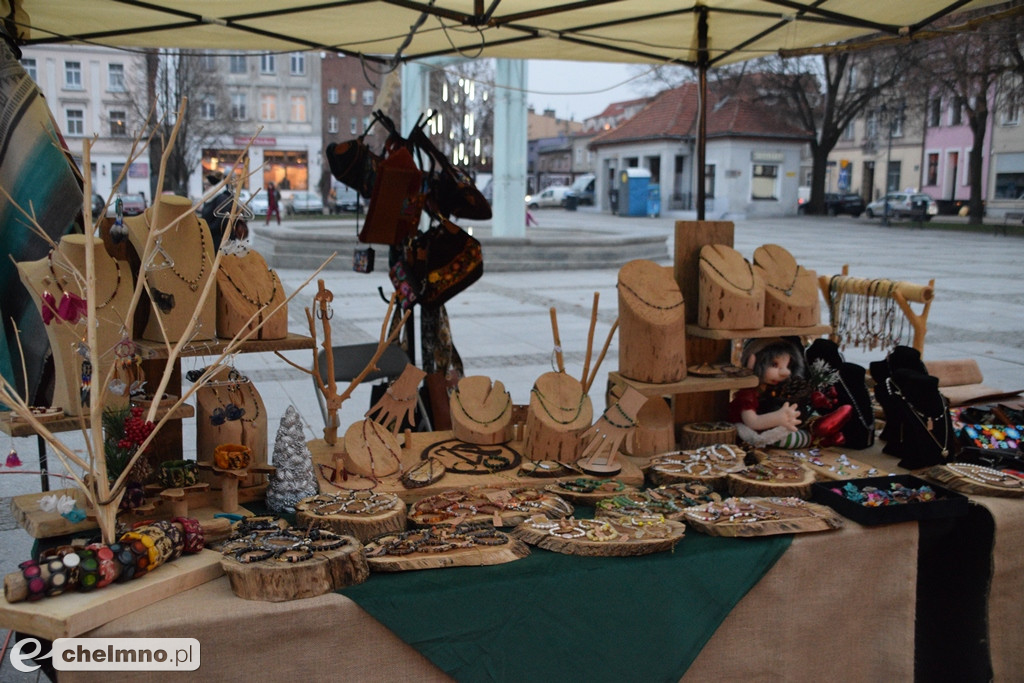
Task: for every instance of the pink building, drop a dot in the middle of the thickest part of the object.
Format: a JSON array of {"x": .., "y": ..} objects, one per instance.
[{"x": 945, "y": 155}]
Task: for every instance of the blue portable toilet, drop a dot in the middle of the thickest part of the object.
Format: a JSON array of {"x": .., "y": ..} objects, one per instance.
[{"x": 633, "y": 186}]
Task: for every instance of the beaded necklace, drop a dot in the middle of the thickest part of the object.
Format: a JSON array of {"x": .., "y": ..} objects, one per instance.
[
  {"x": 57, "y": 280},
  {"x": 579, "y": 407},
  {"x": 926, "y": 421},
  {"x": 255, "y": 301},
  {"x": 630, "y": 422},
  {"x": 508, "y": 404},
  {"x": 745, "y": 290},
  {"x": 645, "y": 301},
  {"x": 788, "y": 291},
  {"x": 192, "y": 283}
]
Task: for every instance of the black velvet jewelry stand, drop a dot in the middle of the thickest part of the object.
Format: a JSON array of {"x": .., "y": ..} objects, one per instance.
[
  {"x": 859, "y": 430},
  {"x": 926, "y": 432},
  {"x": 900, "y": 357}
]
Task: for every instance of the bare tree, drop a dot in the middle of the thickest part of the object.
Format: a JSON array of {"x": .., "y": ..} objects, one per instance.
[
  {"x": 153, "y": 96},
  {"x": 462, "y": 93}
]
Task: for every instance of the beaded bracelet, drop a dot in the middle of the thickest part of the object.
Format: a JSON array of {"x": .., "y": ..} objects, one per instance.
[
  {"x": 140, "y": 552},
  {"x": 249, "y": 555},
  {"x": 33, "y": 574},
  {"x": 195, "y": 538},
  {"x": 109, "y": 567},
  {"x": 161, "y": 542},
  {"x": 321, "y": 539},
  {"x": 297, "y": 553},
  {"x": 88, "y": 570}
]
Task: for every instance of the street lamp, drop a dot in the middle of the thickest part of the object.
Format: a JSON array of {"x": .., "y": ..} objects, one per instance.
[{"x": 891, "y": 116}]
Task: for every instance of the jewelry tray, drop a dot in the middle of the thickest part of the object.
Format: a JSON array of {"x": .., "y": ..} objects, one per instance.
[{"x": 946, "y": 504}]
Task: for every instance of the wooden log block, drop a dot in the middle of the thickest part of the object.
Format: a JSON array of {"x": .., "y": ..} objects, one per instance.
[
  {"x": 510, "y": 550},
  {"x": 731, "y": 292},
  {"x": 757, "y": 516},
  {"x": 698, "y": 434},
  {"x": 371, "y": 450},
  {"x": 652, "y": 324},
  {"x": 558, "y": 414},
  {"x": 362, "y": 514},
  {"x": 771, "y": 477},
  {"x": 274, "y": 580},
  {"x": 655, "y": 429},
  {"x": 690, "y": 237},
  {"x": 977, "y": 480},
  {"x": 601, "y": 537},
  {"x": 791, "y": 291},
  {"x": 247, "y": 291},
  {"x": 481, "y": 413}
]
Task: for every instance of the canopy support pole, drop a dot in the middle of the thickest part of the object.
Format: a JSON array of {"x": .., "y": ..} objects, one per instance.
[{"x": 702, "y": 107}]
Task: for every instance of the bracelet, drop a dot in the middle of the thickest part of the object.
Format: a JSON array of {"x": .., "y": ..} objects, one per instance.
[
  {"x": 170, "y": 541},
  {"x": 249, "y": 555},
  {"x": 321, "y": 539},
  {"x": 125, "y": 557},
  {"x": 195, "y": 538},
  {"x": 58, "y": 579},
  {"x": 88, "y": 570},
  {"x": 140, "y": 551},
  {"x": 297, "y": 553},
  {"x": 109, "y": 567},
  {"x": 33, "y": 574},
  {"x": 178, "y": 473}
]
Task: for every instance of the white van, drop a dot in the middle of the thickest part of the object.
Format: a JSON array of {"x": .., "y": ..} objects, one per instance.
[
  {"x": 583, "y": 188},
  {"x": 551, "y": 196}
]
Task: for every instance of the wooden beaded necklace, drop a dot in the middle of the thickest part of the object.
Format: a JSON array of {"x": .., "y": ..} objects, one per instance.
[
  {"x": 745, "y": 290},
  {"x": 57, "y": 280},
  {"x": 193, "y": 283}
]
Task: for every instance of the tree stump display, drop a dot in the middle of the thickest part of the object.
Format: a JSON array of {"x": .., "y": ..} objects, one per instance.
[
  {"x": 978, "y": 480},
  {"x": 290, "y": 564},
  {"x": 655, "y": 430},
  {"x": 558, "y": 414},
  {"x": 247, "y": 292},
  {"x": 652, "y": 324},
  {"x": 745, "y": 517},
  {"x": 694, "y": 435},
  {"x": 587, "y": 491},
  {"x": 625, "y": 537},
  {"x": 466, "y": 544},
  {"x": 371, "y": 450},
  {"x": 791, "y": 291},
  {"x": 772, "y": 477},
  {"x": 501, "y": 507},
  {"x": 731, "y": 292},
  {"x": 710, "y": 465},
  {"x": 829, "y": 463},
  {"x": 481, "y": 413},
  {"x": 362, "y": 514}
]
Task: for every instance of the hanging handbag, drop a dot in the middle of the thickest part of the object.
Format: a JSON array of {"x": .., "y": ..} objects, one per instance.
[
  {"x": 451, "y": 191},
  {"x": 448, "y": 260},
  {"x": 397, "y": 200},
  {"x": 353, "y": 163}
]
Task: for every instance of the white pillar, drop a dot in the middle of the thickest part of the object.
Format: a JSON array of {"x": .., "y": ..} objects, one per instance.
[
  {"x": 507, "y": 205},
  {"x": 415, "y": 95}
]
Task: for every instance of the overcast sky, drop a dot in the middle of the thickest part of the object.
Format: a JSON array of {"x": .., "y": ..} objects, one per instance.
[{"x": 578, "y": 90}]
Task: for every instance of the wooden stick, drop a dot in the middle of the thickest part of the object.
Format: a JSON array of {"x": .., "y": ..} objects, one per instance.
[
  {"x": 590, "y": 338},
  {"x": 558, "y": 342},
  {"x": 600, "y": 358}
]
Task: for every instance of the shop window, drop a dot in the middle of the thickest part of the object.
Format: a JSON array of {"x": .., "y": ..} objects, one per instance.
[
  {"x": 298, "y": 64},
  {"x": 118, "y": 127},
  {"x": 288, "y": 170},
  {"x": 73, "y": 75},
  {"x": 268, "y": 107},
  {"x": 115, "y": 77},
  {"x": 763, "y": 182},
  {"x": 298, "y": 108},
  {"x": 1009, "y": 185},
  {"x": 237, "y": 64},
  {"x": 75, "y": 119},
  {"x": 268, "y": 64}
]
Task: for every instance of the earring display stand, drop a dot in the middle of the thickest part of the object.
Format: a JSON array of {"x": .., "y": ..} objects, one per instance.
[
  {"x": 731, "y": 292},
  {"x": 245, "y": 285},
  {"x": 178, "y": 271},
  {"x": 481, "y": 412},
  {"x": 62, "y": 274},
  {"x": 559, "y": 413},
  {"x": 791, "y": 291},
  {"x": 652, "y": 324},
  {"x": 218, "y": 399}
]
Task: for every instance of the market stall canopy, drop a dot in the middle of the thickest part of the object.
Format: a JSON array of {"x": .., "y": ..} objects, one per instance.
[{"x": 581, "y": 30}]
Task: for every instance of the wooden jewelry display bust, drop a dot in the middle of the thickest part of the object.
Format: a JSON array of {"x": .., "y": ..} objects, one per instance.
[
  {"x": 791, "y": 291},
  {"x": 731, "y": 292},
  {"x": 558, "y": 414},
  {"x": 481, "y": 413},
  {"x": 177, "y": 269},
  {"x": 58, "y": 287},
  {"x": 247, "y": 292},
  {"x": 229, "y": 409},
  {"x": 652, "y": 324}
]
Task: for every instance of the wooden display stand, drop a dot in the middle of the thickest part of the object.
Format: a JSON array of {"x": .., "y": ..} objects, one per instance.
[
  {"x": 977, "y": 480},
  {"x": 62, "y": 274},
  {"x": 623, "y": 540},
  {"x": 481, "y": 413},
  {"x": 655, "y": 429},
  {"x": 371, "y": 450},
  {"x": 475, "y": 556},
  {"x": 246, "y": 290},
  {"x": 652, "y": 324},
  {"x": 731, "y": 292},
  {"x": 558, "y": 415},
  {"x": 213, "y": 401},
  {"x": 791, "y": 291},
  {"x": 328, "y": 510},
  {"x": 178, "y": 272},
  {"x": 792, "y": 518}
]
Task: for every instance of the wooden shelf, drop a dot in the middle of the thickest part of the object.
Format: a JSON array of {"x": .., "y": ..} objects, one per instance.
[
  {"x": 155, "y": 350},
  {"x": 71, "y": 423},
  {"x": 688, "y": 385},
  {"x": 758, "y": 333}
]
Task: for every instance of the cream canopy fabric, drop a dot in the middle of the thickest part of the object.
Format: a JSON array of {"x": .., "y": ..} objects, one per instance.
[{"x": 647, "y": 31}]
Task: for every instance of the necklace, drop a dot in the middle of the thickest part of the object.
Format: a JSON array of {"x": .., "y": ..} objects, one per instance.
[
  {"x": 927, "y": 422},
  {"x": 630, "y": 422},
  {"x": 745, "y": 290},
  {"x": 57, "y": 280},
  {"x": 252, "y": 397},
  {"x": 645, "y": 301},
  {"x": 788, "y": 291},
  {"x": 369, "y": 449},
  {"x": 508, "y": 404},
  {"x": 576, "y": 415},
  {"x": 193, "y": 283},
  {"x": 853, "y": 401},
  {"x": 257, "y": 301}
]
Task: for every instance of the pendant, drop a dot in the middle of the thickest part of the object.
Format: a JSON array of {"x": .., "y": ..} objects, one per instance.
[
  {"x": 193, "y": 286},
  {"x": 945, "y": 453},
  {"x": 931, "y": 425}
]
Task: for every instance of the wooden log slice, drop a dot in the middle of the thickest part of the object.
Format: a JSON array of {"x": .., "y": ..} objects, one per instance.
[
  {"x": 638, "y": 504},
  {"x": 587, "y": 491},
  {"x": 977, "y": 480},
  {"x": 558, "y": 414},
  {"x": 826, "y": 463},
  {"x": 778, "y": 515},
  {"x": 362, "y": 514},
  {"x": 697, "y": 434},
  {"x": 371, "y": 450},
  {"x": 652, "y": 324},
  {"x": 708, "y": 465},
  {"x": 500, "y": 507},
  {"x": 655, "y": 430},
  {"x": 791, "y": 291},
  {"x": 772, "y": 477},
  {"x": 544, "y": 469},
  {"x": 277, "y": 580},
  {"x": 731, "y": 292},
  {"x": 463, "y": 545},
  {"x": 601, "y": 537},
  {"x": 481, "y": 413}
]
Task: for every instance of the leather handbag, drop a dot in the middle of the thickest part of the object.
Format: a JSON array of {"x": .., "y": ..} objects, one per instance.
[
  {"x": 448, "y": 259},
  {"x": 451, "y": 191},
  {"x": 397, "y": 200},
  {"x": 353, "y": 163}
]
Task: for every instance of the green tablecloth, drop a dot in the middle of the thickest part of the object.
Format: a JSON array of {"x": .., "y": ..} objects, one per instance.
[{"x": 551, "y": 616}]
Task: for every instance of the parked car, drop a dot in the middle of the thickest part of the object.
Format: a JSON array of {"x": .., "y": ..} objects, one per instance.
[
  {"x": 583, "y": 188},
  {"x": 304, "y": 202},
  {"x": 551, "y": 196},
  {"x": 346, "y": 199},
  {"x": 98, "y": 202},
  {"x": 258, "y": 204},
  {"x": 838, "y": 202},
  {"x": 903, "y": 205},
  {"x": 131, "y": 204}
]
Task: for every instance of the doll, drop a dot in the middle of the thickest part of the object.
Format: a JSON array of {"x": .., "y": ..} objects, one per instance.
[{"x": 766, "y": 415}]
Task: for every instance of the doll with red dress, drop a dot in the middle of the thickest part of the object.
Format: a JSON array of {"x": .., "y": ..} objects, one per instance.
[{"x": 771, "y": 414}]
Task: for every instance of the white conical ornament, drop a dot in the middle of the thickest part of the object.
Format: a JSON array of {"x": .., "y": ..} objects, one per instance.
[{"x": 294, "y": 478}]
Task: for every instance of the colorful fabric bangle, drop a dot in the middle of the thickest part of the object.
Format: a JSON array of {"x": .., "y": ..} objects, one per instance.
[
  {"x": 195, "y": 539},
  {"x": 33, "y": 574},
  {"x": 88, "y": 570},
  {"x": 109, "y": 567}
]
